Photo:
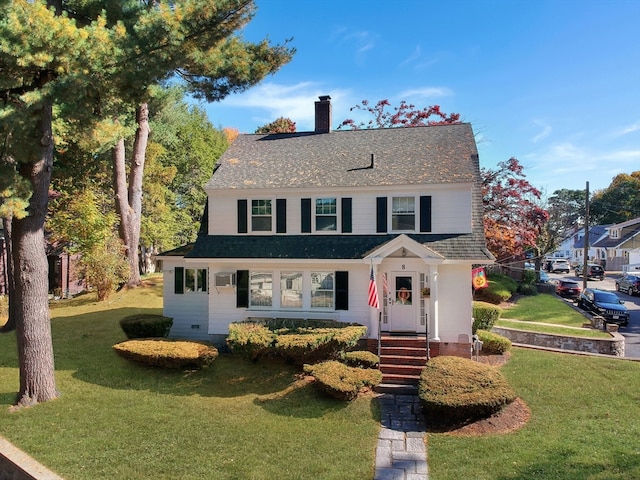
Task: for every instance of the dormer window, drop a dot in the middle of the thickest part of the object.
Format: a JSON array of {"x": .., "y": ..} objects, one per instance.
[
  {"x": 261, "y": 216},
  {"x": 403, "y": 213},
  {"x": 614, "y": 233}
]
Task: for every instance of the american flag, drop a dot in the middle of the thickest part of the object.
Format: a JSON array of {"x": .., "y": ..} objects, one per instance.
[{"x": 373, "y": 291}]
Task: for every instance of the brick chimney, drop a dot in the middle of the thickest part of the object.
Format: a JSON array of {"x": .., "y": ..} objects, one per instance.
[{"x": 323, "y": 114}]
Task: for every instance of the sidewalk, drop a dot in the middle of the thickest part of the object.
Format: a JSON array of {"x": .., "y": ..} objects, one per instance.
[{"x": 401, "y": 453}]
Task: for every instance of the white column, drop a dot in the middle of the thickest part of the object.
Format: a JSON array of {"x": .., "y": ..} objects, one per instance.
[{"x": 434, "y": 314}]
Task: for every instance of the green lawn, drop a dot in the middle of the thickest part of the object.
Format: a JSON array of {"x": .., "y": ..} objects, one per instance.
[
  {"x": 545, "y": 308},
  {"x": 585, "y": 424},
  {"x": 239, "y": 420},
  {"x": 234, "y": 420}
]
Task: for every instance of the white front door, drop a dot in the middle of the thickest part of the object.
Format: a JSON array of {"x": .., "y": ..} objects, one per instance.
[{"x": 403, "y": 302}]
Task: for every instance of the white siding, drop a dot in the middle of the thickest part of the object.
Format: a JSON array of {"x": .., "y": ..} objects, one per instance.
[
  {"x": 451, "y": 207},
  {"x": 188, "y": 310},
  {"x": 454, "y": 302}
]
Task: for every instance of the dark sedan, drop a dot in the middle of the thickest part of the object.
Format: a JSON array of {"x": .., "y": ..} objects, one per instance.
[
  {"x": 606, "y": 304},
  {"x": 568, "y": 288}
]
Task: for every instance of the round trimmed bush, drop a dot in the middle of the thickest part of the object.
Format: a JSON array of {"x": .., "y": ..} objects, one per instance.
[
  {"x": 361, "y": 359},
  {"x": 493, "y": 343},
  {"x": 455, "y": 390},
  {"x": 167, "y": 353},
  {"x": 145, "y": 325},
  {"x": 340, "y": 380}
]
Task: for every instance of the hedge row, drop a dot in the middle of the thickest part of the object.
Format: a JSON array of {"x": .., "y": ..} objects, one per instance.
[
  {"x": 297, "y": 344},
  {"x": 484, "y": 315}
]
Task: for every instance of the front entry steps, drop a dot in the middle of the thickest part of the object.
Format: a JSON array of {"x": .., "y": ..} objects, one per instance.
[{"x": 402, "y": 358}]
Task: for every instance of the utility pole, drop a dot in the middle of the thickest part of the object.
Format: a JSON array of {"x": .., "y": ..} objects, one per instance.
[{"x": 585, "y": 259}]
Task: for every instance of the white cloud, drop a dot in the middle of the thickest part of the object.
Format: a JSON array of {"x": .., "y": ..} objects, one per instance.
[
  {"x": 630, "y": 129},
  {"x": 426, "y": 92},
  {"x": 546, "y": 131},
  {"x": 415, "y": 55}
]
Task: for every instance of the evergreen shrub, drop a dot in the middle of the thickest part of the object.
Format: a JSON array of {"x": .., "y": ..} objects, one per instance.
[
  {"x": 485, "y": 315},
  {"x": 456, "y": 391},
  {"x": 342, "y": 381},
  {"x": 145, "y": 325},
  {"x": 360, "y": 359},
  {"x": 493, "y": 343},
  {"x": 167, "y": 353}
]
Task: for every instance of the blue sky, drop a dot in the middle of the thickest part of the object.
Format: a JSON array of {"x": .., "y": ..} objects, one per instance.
[{"x": 553, "y": 83}]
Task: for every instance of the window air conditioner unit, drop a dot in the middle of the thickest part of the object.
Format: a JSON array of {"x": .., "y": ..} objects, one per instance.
[{"x": 225, "y": 279}]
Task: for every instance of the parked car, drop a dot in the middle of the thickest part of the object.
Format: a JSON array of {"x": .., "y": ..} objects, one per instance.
[
  {"x": 593, "y": 271},
  {"x": 559, "y": 265},
  {"x": 568, "y": 288},
  {"x": 544, "y": 277},
  {"x": 629, "y": 283},
  {"x": 606, "y": 304}
]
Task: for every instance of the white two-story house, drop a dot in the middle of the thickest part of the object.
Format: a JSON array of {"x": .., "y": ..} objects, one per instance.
[{"x": 295, "y": 223}]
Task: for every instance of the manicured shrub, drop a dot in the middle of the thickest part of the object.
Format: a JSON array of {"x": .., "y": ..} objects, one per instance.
[
  {"x": 250, "y": 339},
  {"x": 528, "y": 289},
  {"x": 456, "y": 390},
  {"x": 485, "y": 315},
  {"x": 342, "y": 381},
  {"x": 145, "y": 325},
  {"x": 167, "y": 354},
  {"x": 360, "y": 359},
  {"x": 493, "y": 343},
  {"x": 288, "y": 339},
  {"x": 500, "y": 289}
]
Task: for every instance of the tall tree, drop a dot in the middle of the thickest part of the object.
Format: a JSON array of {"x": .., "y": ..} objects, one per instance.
[
  {"x": 513, "y": 219},
  {"x": 45, "y": 58},
  {"x": 619, "y": 202},
  {"x": 86, "y": 59},
  {"x": 279, "y": 125},
  {"x": 404, "y": 115}
]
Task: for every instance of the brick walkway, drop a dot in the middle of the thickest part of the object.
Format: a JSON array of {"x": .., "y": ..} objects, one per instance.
[{"x": 401, "y": 453}]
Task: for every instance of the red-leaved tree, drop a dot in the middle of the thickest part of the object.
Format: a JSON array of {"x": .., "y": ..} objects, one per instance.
[
  {"x": 405, "y": 115},
  {"x": 513, "y": 218}
]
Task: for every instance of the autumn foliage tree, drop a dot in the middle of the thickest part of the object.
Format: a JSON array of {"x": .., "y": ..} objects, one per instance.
[
  {"x": 280, "y": 125},
  {"x": 619, "y": 202},
  {"x": 404, "y": 115},
  {"x": 513, "y": 217}
]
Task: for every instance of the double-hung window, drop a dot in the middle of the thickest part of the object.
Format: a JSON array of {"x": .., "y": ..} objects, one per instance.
[
  {"x": 322, "y": 290},
  {"x": 403, "y": 213},
  {"x": 261, "y": 215},
  {"x": 189, "y": 280},
  {"x": 326, "y": 214},
  {"x": 291, "y": 289},
  {"x": 261, "y": 289}
]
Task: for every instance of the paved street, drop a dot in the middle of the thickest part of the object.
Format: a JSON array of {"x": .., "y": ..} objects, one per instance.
[{"x": 632, "y": 332}]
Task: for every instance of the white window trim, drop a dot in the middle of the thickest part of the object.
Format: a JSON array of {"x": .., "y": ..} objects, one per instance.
[
  {"x": 416, "y": 212},
  {"x": 314, "y": 216},
  {"x": 250, "y": 216},
  {"x": 195, "y": 280}
]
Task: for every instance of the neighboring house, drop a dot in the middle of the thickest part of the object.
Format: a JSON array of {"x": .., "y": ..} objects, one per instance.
[
  {"x": 596, "y": 233},
  {"x": 620, "y": 244},
  {"x": 295, "y": 223}
]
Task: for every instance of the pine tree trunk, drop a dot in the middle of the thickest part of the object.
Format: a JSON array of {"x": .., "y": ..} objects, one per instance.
[
  {"x": 129, "y": 201},
  {"x": 31, "y": 270},
  {"x": 8, "y": 277}
]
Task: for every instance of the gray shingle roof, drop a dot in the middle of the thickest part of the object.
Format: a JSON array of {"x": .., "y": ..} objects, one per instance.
[
  {"x": 330, "y": 247},
  {"x": 402, "y": 156}
]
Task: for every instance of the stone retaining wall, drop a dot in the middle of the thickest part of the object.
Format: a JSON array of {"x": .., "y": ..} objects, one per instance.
[
  {"x": 606, "y": 346},
  {"x": 17, "y": 465}
]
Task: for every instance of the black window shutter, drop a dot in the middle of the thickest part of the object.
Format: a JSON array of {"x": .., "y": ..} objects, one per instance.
[
  {"x": 342, "y": 290},
  {"x": 242, "y": 288},
  {"x": 242, "y": 216},
  {"x": 381, "y": 214},
  {"x": 346, "y": 215},
  {"x": 281, "y": 215},
  {"x": 305, "y": 221},
  {"x": 425, "y": 213},
  {"x": 179, "y": 280}
]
